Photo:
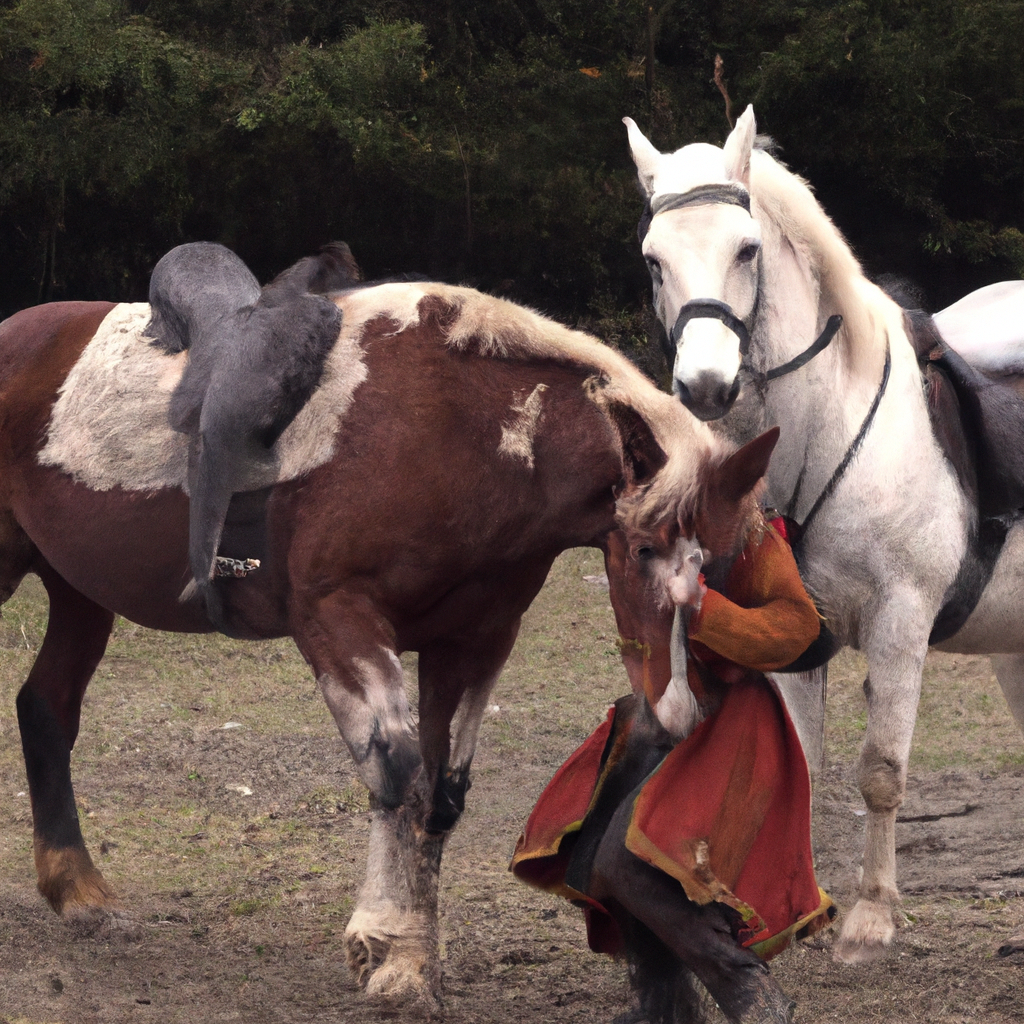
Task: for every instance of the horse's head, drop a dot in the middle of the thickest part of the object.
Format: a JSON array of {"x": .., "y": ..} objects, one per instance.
[
  {"x": 702, "y": 246},
  {"x": 654, "y": 561}
]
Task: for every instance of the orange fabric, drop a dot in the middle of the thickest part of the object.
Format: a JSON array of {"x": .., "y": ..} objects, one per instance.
[
  {"x": 727, "y": 812},
  {"x": 767, "y": 621},
  {"x": 538, "y": 859},
  {"x": 728, "y": 815}
]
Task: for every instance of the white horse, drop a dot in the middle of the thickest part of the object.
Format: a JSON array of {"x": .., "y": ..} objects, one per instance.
[{"x": 747, "y": 272}]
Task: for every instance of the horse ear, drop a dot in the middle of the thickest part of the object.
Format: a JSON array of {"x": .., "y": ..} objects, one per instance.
[
  {"x": 642, "y": 456},
  {"x": 645, "y": 156},
  {"x": 741, "y": 471},
  {"x": 738, "y": 147}
]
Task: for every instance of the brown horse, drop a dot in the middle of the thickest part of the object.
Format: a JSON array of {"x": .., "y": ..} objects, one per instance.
[{"x": 455, "y": 445}]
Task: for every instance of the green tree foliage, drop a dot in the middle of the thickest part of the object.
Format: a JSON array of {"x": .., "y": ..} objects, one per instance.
[
  {"x": 482, "y": 142},
  {"x": 916, "y": 106}
]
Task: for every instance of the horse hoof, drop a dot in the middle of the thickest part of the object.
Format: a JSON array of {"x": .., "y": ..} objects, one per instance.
[
  {"x": 395, "y": 963},
  {"x": 1014, "y": 944},
  {"x": 866, "y": 933},
  {"x": 102, "y": 923},
  {"x": 70, "y": 881},
  {"x": 406, "y": 979}
]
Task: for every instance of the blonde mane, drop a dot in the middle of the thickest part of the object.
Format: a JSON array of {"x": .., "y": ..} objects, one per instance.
[
  {"x": 786, "y": 207},
  {"x": 496, "y": 328},
  {"x": 502, "y": 329}
]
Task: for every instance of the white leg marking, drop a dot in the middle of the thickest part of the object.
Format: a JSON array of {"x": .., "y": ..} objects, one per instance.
[
  {"x": 391, "y": 938},
  {"x": 866, "y": 931},
  {"x": 894, "y": 685},
  {"x": 466, "y": 722}
]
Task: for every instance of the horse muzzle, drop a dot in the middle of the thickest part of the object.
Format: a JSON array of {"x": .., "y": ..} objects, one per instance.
[
  {"x": 708, "y": 343},
  {"x": 708, "y": 397}
]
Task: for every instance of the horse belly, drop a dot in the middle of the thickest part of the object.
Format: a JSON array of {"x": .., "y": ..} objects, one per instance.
[
  {"x": 127, "y": 551},
  {"x": 996, "y": 625}
]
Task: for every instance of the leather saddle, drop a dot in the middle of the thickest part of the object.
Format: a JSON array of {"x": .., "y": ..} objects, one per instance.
[
  {"x": 977, "y": 417},
  {"x": 978, "y": 420}
]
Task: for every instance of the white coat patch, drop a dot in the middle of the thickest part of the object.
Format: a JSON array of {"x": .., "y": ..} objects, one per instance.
[
  {"x": 109, "y": 425},
  {"x": 517, "y": 436}
]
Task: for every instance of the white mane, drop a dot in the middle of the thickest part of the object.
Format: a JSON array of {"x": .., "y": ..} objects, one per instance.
[{"x": 786, "y": 207}]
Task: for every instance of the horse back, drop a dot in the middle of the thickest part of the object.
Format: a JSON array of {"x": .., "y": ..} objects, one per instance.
[{"x": 38, "y": 348}]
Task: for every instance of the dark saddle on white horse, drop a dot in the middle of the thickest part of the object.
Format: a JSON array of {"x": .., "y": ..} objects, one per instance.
[
  {"x": 255, "y": 358},
  {"x": 977, "y": 416},
  {"x": 978, "y": 419}
]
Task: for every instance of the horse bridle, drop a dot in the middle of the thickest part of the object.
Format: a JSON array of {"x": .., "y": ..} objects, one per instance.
[
  {"x": 730, "y": 195},
  {"x": 736, "y": 195}
]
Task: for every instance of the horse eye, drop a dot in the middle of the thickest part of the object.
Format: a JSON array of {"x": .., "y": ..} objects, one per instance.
[
  {"x": 644, "y": 553},
  {"x": 748, "y": 252},
  {"x": 655, "y": 269}
]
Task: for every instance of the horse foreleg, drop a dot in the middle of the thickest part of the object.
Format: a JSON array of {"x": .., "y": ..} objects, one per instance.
[
  {"x": 892, "y": 688},
  {"x": 351, "y": 648},
  {"x": 456, "y": 680},
  {"x": 49, "y": 707},
  {"x": 392, "y": 936}
]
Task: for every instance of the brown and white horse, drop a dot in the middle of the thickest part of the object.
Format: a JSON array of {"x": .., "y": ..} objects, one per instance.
[{"x": 455, "y": 445}]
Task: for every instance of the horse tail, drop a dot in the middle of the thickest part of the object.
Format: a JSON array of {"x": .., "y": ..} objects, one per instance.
[{"x": 666, "y": 990}]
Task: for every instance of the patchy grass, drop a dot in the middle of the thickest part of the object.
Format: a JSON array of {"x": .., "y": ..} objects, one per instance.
[
  {"x": 242, "y": 849},
  {"x": 962, "y": 718}
]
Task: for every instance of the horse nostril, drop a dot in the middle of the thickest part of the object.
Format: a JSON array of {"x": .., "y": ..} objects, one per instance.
[{"x": 709, "y": 397}]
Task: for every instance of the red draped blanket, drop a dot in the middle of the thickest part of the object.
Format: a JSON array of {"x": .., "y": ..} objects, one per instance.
[{"x": 727, "y": 811}]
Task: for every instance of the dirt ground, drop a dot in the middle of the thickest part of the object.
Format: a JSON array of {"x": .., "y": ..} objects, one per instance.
[{"x": 237, "y": 852}]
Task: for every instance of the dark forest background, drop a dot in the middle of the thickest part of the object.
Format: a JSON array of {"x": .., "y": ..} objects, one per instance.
[{"x": 481, "y": 142}]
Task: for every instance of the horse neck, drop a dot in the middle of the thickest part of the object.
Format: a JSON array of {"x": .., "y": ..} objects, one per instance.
[{"x": 823, "y": 404}]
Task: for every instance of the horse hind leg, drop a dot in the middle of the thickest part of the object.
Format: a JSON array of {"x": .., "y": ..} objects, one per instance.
[
  {"x": 49, "y": 707},
  {"x": 1009, "y": 669}
]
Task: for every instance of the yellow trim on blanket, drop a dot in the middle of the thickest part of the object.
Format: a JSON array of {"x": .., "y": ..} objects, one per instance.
[
  {"x": 698, "y": 881},
  {"x": 767, "y": 948},
  {"x": 518, "y": 856}
]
